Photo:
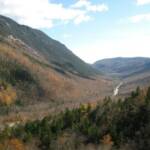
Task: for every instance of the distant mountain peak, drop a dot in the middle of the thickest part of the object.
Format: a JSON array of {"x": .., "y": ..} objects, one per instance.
[{"x": 123, "y": 66}]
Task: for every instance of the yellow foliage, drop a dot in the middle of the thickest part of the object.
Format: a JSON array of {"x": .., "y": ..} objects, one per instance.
[
  {"x": 92, "y": 105},
  {"x": 8, "y": 96},
  {"x": 12, "y": 144},
  {"x": 16, "y": 144},
  {"x": 107, "y": 140},
  {"x": 2, "y": 147}
]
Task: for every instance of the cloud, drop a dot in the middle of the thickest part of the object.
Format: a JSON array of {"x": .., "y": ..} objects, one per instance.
[
  {"x": 82, "y": 18},
  {"x": 143, "y": 2},
  {"x": 140, "y": 17},
  {"x": 43, "y": 13},
  {"x": 90, "y": 7}
]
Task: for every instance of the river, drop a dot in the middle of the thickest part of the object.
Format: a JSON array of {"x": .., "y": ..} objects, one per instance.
[{"x": 116, "y": 90}]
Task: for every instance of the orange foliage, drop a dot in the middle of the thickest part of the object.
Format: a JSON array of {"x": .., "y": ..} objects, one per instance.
[
  {"x": 8, "y": 96},
  {"x": 2, "y": 147},
  {"x": 107, "y": 140},
  {"x": 12, "y": 144},
  {"x": 16, "y": 144}
]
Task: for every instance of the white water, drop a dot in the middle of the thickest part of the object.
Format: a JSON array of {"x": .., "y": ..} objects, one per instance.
[{"x": 116, "y": 90}]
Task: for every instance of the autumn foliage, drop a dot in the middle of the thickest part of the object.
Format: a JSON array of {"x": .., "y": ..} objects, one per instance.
[
  {"x": 113, "y": 124},
  {"x": 12, "y": 144},
  {"x": 7, "y": 94}
]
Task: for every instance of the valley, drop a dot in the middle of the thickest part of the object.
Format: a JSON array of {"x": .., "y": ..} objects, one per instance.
[
  {"x": 39, "y": 83},
  {"x": 42, "y": 76},
  {"x": 50, "y": 97},
  {"x": 133, "y": 72}
]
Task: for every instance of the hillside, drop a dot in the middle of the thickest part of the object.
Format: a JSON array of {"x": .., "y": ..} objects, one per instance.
[
  {"x": 53, "y": 51},
  {"x": 39, "y": 75},
  {"x": 132, "y": 72},
  {"x": 123, "y": 67}
]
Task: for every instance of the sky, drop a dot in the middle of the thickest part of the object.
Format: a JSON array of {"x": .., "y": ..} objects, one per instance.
[{"x": 92, "y": 29}]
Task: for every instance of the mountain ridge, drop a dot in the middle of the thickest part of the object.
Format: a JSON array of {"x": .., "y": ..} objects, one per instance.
[
  {"x": 132, "y": 71},
  {"x": 123, "y": 67},
  {"x": 39, "y": 75},
  {"x": 46, "y": 46}
]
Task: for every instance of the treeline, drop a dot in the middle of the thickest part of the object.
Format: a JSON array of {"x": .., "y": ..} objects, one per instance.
[{"x": 122, "y": 124}]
